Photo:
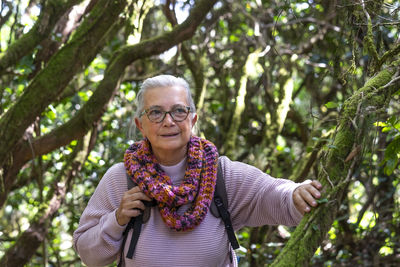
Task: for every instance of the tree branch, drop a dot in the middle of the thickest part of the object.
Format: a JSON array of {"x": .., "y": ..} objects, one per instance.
[{"x": 48, "y": 18}]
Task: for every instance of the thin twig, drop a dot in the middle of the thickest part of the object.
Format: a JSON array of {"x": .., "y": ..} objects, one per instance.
[
  {"x": 350, "y": 172},
  {"x": 390, "y": 83},
  {"x": 327, "y": 176}
]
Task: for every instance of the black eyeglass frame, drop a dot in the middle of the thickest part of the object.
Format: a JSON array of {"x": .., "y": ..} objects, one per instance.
[{"x": 188, "y": 110}]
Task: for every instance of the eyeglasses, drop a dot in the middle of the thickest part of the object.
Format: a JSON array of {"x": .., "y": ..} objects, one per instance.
[{"x": 177, "y": 113}]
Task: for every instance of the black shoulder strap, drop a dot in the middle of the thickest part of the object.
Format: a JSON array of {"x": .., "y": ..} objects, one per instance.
[
  {"x": 125, "y": 235},
  {"x": 136, "y": 224},
  {"x": 146, "y": 213},
  {"x": 220, "y": 190},
  {"x": 219, "y": 206},
  {"x": 131, "y": 183}
]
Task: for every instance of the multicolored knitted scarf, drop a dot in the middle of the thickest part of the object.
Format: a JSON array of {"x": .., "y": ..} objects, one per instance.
[{"x": 197, "y": 186}]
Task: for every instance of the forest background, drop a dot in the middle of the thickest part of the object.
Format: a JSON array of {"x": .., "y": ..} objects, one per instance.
[{"x": 300, "y": 89}]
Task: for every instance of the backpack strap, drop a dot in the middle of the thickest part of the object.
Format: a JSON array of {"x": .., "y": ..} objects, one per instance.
[
  {"x": 219, "y": 207},
  {"x": 220, "y": 190},
  {"x": 136, "y": 224},
  {"x": 146, "y": 212},
  {"x": 125, "y": 235}
]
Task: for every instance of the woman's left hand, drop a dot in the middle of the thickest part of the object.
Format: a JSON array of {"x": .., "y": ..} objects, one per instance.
[{"x": 304, "y": 196}]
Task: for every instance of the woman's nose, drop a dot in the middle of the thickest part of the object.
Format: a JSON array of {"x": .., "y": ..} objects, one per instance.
[{"x": 168, "y": 119}]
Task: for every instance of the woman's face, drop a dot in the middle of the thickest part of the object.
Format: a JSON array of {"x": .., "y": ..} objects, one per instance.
[{"x": 168, "y": 138}]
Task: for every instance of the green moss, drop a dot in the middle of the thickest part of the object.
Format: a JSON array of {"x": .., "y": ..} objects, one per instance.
[
  {"x": 305, "y": 239},
  {"x": 389, "y": 54},
  {"x": 335, "y": 165},
  {"x": 95, "y": 14},
  {"x": 382, "y": 78},
  {"x": 369, "y": 43}
]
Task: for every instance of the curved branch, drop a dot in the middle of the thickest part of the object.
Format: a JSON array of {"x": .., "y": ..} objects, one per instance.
[
  {"x": 389, "y": 55},
  {"x": 51, "y": 13}
]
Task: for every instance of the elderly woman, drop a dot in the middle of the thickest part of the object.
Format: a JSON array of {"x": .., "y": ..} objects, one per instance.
[{"x": 178, "y": 171}]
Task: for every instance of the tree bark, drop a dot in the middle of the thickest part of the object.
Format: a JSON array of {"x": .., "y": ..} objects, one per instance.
[
  {"x": 95, "y": 107},
  {"x": 50, "y": 82},
  {"x": 231, "y": 136},
  {"x": 51, "y": 13},
  {"x": 336, "y": 167}
]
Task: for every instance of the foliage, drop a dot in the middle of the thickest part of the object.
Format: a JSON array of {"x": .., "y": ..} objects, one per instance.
[{"x": 271, "y": 80}]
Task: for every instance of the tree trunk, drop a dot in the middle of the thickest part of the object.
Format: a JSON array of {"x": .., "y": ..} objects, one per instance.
[
  {"x": 231, "y": 136},
  {"x": 336, "y": 167}
]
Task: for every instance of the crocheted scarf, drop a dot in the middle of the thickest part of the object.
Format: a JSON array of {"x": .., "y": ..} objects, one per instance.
[{"x": 196, "y": 188}]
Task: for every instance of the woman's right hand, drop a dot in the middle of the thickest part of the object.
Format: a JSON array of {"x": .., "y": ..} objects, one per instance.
[{"x": 131, "y": 205}]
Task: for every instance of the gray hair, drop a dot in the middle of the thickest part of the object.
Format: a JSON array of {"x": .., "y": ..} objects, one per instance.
[
  {"x": 162, "y": 81},
  {"x": 155, "y": 82}
]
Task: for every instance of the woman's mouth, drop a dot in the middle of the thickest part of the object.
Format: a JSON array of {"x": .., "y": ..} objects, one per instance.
[{"x": 169, "y": 135}]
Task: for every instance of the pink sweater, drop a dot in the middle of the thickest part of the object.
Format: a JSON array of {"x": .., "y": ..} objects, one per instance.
[{"x": 255, "y": 199}]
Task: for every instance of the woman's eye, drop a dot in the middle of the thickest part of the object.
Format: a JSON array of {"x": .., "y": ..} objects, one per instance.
[
  {"x": 180, "y": 110},
  {"x": 155, "y": 112}
]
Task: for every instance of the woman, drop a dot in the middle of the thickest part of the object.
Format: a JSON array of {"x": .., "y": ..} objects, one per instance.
[{"x": 178, "y": 170}]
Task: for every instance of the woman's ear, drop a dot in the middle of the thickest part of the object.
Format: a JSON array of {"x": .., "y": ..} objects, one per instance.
[
  {"x": 139, "y": 125},
  {"x": 194, "y": 119}
]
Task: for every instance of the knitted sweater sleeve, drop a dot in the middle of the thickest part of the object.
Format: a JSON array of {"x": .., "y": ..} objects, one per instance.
[
  {"x": 98, "y": 237},
  {"x": 256, "y": 199}
]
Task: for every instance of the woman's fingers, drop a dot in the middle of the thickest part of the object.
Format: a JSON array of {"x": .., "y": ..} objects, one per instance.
[
  {"x": 136, "y": 204},
  {"x": 316, "y": 184},
  {"x": 132, "y": 196},
  {"x": 136, "y": 191},
  {"x": 130, "y": 213},
  {"x": 299, "y": 202},
  {"x": 304, "y": 197},
  {"x": 131, "y": 205}
]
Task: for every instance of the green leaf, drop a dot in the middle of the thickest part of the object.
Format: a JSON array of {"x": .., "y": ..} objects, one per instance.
[
  {"x": 322, "y": 200},
  {"x": 233, "y": 38},
  {"x": 50, "y": 114},
  {"x": 380, "y": 124},
  {"x": 392, "y": 120},
  {"x": 331, "y": 104},
  {"x": 390, "y": 166},
  {"x": 386, "y": 129},
  {"x": 315, "y": 227},
  {"x": 393, "y": 149}
]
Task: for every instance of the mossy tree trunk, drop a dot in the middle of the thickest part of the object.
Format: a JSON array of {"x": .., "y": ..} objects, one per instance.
[
  {"x": 337, "y": 165},
  {"x": 231, "y": 136},
  {"x": 52, "y": 11}
]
